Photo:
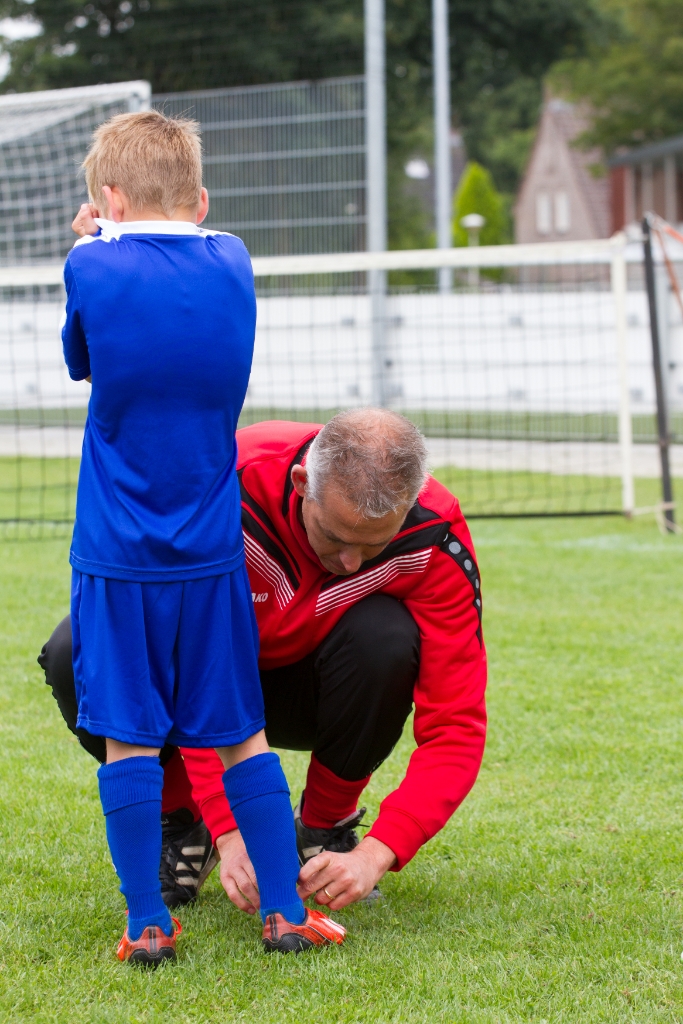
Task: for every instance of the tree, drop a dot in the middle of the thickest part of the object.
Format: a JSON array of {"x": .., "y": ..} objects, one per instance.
[
  {"x": 477, "y": 194},
  {"x": 500, "y": 49},
  {"x": 184, "y": 44},
  {"x": 501, "y": 128},
  {"x": 633, "y": 81},
  {"x": 198, "y": 44}
]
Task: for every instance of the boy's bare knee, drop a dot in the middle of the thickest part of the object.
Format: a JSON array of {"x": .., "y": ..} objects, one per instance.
[
  {"x": 118, "y": 751},
  {"x": 256, "y": 744}
]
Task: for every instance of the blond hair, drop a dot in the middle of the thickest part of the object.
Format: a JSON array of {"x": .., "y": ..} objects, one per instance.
[{"x": 155, "y": 160}]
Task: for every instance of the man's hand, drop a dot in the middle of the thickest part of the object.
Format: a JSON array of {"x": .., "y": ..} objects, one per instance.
[
  {"x": 238, "y": 877},
  {"x": 84, "y": 221},
  {"x": 347, "y": 877}
]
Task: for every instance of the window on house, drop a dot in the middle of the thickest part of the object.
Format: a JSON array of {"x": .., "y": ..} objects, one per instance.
[
  {"x": 543, "y": 213},
  {"x": 562, "y": 213}
]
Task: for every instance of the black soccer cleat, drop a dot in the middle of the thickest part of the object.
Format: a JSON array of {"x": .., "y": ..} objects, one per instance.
[
  {"x": 340, "y": 838},
  {"x": 187, "y": 857}
]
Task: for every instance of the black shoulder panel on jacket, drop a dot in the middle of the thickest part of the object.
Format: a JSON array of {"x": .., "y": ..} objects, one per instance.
[
  {"x": 419, "y": 515},
  {"x": 289, "y": 486},
  {"x": 261, "y": 514},
  {"x": 455, "y": 549}
]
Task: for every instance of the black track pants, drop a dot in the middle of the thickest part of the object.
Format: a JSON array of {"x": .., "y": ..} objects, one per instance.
[{"x": 347, "y": 701}]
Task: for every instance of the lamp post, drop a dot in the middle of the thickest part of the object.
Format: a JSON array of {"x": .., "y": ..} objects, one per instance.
[
  {"x": 376, "y": 148},
  {"x": 442, "y": 135},
  {"x": 473, "y": 223}
]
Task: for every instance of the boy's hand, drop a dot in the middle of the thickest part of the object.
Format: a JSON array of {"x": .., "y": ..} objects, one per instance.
[{"x": 84, "y": 222}]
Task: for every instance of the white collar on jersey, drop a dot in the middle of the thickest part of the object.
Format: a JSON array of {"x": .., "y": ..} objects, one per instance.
[{"x": 147, "y": 227}]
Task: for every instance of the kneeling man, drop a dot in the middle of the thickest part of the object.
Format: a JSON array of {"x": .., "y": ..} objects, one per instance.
[{"x": 368, "y": 601}]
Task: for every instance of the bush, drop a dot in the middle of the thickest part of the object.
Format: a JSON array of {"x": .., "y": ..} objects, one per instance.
[{"x": 477, "y": 194}]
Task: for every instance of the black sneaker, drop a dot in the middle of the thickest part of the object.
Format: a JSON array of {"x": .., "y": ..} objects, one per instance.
[
  {"x": 187, "y": 857},
  {"x": 341, "y": 838}
]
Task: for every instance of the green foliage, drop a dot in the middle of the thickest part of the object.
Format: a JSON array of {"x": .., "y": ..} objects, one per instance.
[
  {"x": 502, "y": 127},
  {"x": 477, "y": 194},
  {"x": 185, "y": 44},
  {"x": 500, "y": 49},
  {"x": 191, "y": 44},
  {"x": 552, "y": 894},
  {"x": 633, "y": 81}
]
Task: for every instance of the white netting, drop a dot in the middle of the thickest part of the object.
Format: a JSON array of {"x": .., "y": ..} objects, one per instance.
[
  {"x": 515, "y": 379},
  {"x": 43, "y": 139}
]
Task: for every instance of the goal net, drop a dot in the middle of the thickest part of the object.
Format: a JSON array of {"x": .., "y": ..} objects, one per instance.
[
  {"x": 531, "y": 377},
  {"x": 284, "y": 163},
  {"x": 44, "y": 137}
]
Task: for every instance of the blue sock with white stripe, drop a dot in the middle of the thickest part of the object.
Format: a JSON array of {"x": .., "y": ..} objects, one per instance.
[
  {"x": 258, "y": 794},
  {"x": 130, "y": 791}
]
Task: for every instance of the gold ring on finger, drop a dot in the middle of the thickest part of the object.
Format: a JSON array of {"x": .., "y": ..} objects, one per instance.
[{"x": 328, "y": 894}]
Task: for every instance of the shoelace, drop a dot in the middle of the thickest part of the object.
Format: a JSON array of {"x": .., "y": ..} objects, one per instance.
[{"x": 342, "y": 838}]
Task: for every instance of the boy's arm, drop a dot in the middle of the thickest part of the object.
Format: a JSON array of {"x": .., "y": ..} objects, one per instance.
[
  {"x": 76, "y": 355},
  {"x": 205, "y": 772}
]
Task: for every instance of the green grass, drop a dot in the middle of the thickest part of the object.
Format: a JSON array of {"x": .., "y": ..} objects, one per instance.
[
  {"x": 555, "y": 893},
  {"x": 38, "y": 489},
  {"x": 483, "y": 493},
  {"x": 505, "y": 425},
  {"x": 44, "y": 490}
]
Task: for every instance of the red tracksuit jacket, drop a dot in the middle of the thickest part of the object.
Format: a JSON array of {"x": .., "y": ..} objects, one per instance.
[{"x": 430, "y": 566}]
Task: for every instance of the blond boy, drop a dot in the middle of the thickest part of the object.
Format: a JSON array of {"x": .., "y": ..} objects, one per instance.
[{"x": 161, "y": 316}]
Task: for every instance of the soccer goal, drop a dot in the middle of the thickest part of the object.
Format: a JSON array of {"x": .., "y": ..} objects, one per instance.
[
  {"x": 531, "y": 377},
  {"x": 43, "y": 139}
]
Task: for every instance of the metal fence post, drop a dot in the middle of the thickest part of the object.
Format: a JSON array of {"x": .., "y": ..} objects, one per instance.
[
  {"x": 442, "y": 135},
  {"x": 376, "y": 156},
  {"x": 618, "y": 280},
  {"x": 663, "y": 436}
]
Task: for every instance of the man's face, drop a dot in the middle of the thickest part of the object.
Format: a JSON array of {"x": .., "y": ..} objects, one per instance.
[{"x": 341, "y": 538}]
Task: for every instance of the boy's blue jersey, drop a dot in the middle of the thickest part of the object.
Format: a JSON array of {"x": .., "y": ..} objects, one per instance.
[{"x": 162, "y": 314}]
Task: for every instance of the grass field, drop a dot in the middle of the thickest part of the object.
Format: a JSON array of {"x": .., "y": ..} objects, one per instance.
[
  {"x": 45, "y": 489},
  {"x": 506, "y": 425},
  {"x": 555, "y": 894}
]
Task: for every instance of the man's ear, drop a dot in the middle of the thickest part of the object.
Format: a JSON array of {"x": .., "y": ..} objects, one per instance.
[{"x": 299, "y": 477}]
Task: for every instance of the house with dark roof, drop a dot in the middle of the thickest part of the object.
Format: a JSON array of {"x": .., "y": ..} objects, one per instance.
[
  {"x": 649, "y": 178},
  {"x": 562, "y": 197}
]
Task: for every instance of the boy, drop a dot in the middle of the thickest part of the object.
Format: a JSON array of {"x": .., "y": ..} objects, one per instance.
[{"x": 160, "y": 316}]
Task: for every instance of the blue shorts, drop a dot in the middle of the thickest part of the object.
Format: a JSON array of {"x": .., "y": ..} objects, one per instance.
[{"x": 159, "y": 663}]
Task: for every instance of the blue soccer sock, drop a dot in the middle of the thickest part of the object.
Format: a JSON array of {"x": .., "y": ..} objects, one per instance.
[
  {"x": 258, "y": 794},
  {"x": 130, "y": 791}
]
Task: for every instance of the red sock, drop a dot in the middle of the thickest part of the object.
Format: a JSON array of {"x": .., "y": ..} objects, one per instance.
[
  {"x": 177, "y": 791},
  {"x": 327, "y": 798}
]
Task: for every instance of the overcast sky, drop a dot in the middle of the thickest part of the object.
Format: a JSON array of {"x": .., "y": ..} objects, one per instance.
[
  {"x": 19, "y": 28},
  {"x": 15, "y": 28}
]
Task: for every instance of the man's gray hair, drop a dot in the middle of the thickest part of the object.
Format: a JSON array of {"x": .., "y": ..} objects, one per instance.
[{"x": 374, "y": 457}]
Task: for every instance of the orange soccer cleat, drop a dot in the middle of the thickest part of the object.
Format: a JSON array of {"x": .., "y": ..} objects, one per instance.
[
  {"x": 280, "y": 936},
  {"x": 153, "y": 947}
]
